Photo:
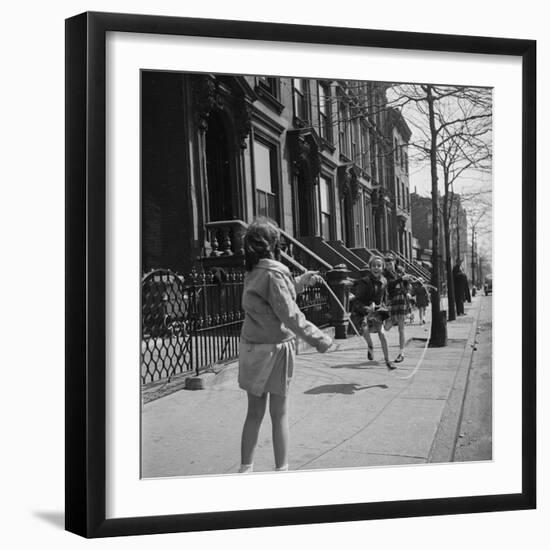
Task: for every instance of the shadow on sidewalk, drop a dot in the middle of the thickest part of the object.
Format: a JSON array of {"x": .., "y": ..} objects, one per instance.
[
  {"x": 361, "y": 366},
  {"x": 347, "y": 389}
]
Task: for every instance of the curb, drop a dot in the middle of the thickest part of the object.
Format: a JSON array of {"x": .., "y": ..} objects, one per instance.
[{"x": 443, "y": 445}]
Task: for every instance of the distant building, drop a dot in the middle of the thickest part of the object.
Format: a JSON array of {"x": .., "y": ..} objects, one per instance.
[
  {"x": 460, "y": 247},
  {"x": 422, "y": 227},
  {"x": 421, "y": 213},
  {"x": 401, "y": 233}
]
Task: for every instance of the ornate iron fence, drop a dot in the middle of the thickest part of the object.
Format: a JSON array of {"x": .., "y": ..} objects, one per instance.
[{"x": 192, "y": 322}]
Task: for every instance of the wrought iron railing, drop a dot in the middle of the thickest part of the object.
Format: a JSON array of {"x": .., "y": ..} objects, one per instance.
[{"x": 192, "y": 322}]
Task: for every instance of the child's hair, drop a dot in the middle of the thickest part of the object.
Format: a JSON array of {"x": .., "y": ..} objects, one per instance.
[
  {"x": 261, "y": 240},
  {"x": 374, "y": 259}
]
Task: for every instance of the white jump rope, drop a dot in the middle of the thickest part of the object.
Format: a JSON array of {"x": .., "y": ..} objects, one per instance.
[{"x": 420, "y": 360}]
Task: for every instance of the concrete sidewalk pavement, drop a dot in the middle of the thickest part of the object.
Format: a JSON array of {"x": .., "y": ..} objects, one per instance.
[{"x": 344, "y": 410}]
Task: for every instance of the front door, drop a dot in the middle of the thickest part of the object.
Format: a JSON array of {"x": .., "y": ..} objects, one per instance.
[
  {"x": 305, "y": 207},
  {"x": 218, "y": 171}
]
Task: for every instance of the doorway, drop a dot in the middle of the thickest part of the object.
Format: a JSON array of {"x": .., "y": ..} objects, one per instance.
[{"x": 218, "y": 170}]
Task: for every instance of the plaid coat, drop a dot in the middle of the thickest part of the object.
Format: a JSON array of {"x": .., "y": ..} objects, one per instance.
[{"x": 397, "y": 295}]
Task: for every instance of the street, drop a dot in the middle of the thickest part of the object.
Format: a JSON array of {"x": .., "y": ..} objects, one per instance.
[{"x": 475, "y": 435}]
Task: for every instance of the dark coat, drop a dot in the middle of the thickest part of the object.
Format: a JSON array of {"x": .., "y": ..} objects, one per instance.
[
  {"x": 420, "y": 292},
  {"x": 460, "y": 282},
  {"x": 369, "y": 290}
]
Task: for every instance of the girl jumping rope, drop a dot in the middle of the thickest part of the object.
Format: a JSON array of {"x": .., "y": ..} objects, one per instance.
[
  {"x": 368, "y": 309},
  {"x": 398, "y": 286},
  {"x": 267, "y": 348}
]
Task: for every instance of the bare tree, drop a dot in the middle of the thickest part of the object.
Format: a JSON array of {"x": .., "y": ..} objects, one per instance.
[
  {"x": 480, "y": 225},
  {"x": 465, "y": 146},
  {"x": 453, "y": 129}
]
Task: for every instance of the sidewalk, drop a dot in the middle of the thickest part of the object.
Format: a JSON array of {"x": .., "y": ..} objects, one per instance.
[{"x": 344, "y": 410}]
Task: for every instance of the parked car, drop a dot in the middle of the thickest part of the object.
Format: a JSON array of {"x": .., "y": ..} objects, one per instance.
[{"x": 488, "y": 286}]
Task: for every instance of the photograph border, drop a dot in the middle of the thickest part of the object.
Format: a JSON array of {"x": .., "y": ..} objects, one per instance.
[{"x": 85, "y": 347}]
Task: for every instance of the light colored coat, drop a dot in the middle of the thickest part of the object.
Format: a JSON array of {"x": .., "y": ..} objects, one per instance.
[{"x": 271, "y": 313}]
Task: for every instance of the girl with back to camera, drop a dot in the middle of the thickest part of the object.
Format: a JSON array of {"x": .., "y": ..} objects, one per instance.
[{"x": 267, "y": 348}]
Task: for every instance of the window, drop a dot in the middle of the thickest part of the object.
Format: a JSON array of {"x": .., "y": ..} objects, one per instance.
[
  {"x": 396, "y": 150},
  {"x": 265, "y": 177},
  {"x": 301, "y": 105},
  {"x": 343, "y": 126},
  {"x": 368, "y": 222},
  {"x": 398, "y": 188},
  {"x": 354, "y": 126},
  {"x": 359, "y": 221},
  {"x": 373, "y": 154},
  {"x": 326, "y": 207},
  {"x": 324, "y": 112},
  {"x": 364, "y": 149},
  {"x": 269, "y": 84}
]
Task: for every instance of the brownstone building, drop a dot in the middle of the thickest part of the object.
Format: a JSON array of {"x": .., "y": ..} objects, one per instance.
[{"x": 327, "y": 160}]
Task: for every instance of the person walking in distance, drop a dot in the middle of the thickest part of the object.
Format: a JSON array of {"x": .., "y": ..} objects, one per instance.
[
  {"x": 368, "y": 309},
  {"x": 459, "y": 281},
  {"x": 267, "y": 348},
  {"x": 422, "y": 297},
  {"x": 397, "y": 298}
]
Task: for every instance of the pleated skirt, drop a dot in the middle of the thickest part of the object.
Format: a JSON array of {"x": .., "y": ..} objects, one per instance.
[{"x": 266, "y": 368}]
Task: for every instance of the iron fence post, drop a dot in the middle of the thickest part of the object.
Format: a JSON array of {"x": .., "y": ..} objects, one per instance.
[{"x": 340, "y": 283}]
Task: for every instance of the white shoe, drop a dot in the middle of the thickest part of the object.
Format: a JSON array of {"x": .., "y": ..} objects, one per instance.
[{"x": 246, "y": 468}]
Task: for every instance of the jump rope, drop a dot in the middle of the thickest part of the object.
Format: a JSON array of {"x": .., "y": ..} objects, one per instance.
[
  {"x": 361, "y": 338},
  {"x": 331, "y": 292}
]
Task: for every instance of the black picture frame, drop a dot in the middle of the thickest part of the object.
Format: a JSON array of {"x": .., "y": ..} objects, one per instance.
[{"x": 86, "y": 263}]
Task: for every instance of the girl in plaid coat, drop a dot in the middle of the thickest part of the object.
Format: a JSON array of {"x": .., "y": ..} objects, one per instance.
[{"x": 398, "y": 288}]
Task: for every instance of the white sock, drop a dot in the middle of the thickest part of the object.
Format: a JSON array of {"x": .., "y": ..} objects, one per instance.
[
  {"x": 283, "y": 468},
  {"x": 246, "y": 468}
]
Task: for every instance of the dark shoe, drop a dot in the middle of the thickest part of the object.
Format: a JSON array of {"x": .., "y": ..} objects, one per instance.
[
  {"x": 399, "y": 359},
  {"x": 370, "y": 355},
  {"x": 390, "y": 365}
]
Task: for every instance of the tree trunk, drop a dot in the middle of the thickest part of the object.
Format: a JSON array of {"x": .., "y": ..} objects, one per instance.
[
  {"x": 473, "y": 257},
  {"x": 438, "y": 336},
  {"x": 448, "y": 262},
  {"x": 457, "y": 232}
]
